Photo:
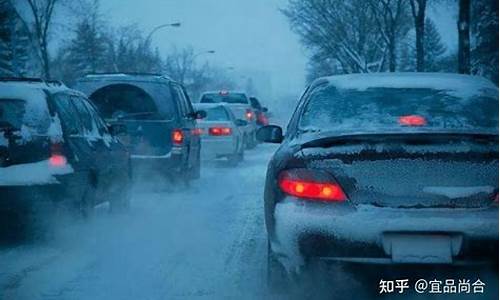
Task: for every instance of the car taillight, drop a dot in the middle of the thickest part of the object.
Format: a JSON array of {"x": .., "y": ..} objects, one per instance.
[
  {"x": 311, "y": 185},
  {"x": 262, "y": 119},
  {"x": 219, "y": 131},
  {"x": 412, "y": 120},
  {"x": 249, "y": 115},
  {"x": 177, "y": 136},
  {"x": 57, "y": 158}
]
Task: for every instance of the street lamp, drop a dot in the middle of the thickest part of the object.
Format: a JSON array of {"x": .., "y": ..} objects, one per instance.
[{"x": 148, "y": 39}]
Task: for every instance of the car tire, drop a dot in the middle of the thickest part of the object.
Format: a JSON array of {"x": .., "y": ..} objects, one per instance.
[
  {"x": 233, "y": 159},
  {"x": 252, "y": 141},
  {"x": 195, "y": 172},
  {"x": 278, "y": 280},
  {"x": 241, "y": 154}
]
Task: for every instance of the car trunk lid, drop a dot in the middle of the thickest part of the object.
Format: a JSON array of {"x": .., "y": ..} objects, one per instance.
[{"x": 412, "y": 170}]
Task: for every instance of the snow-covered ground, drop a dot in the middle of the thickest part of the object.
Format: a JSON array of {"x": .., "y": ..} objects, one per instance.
[{"x": 207, "y": 240}]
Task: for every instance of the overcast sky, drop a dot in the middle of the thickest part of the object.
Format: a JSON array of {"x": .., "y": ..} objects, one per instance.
[{"x": 246, "y": 34}]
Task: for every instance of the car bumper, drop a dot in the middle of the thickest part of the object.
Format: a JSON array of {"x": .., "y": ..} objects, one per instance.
[
  {"x": 216, "y": 147},
  {"x": 369, "y": 234},
  {"x": 27, "y": 197},
  {"x": 170, "y": 162}
]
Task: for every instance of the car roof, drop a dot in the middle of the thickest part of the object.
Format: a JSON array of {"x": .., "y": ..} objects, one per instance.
[
  {"x": 24, "y": 86},
  {"x": 127, "y": 77},
  {"x": 464, "y": 85},
  {"x": 228, "y": 91},
  {"x": 209, "y": 105}
]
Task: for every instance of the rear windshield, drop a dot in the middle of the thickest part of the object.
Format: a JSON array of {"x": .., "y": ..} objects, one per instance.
[
  {"x": 255, "y": 103},
  {"x": 347, "y": 110},
  {"x": 216, "y": 114},
  {"x": 15, "y": 113},
  {"x": 224, "y": 98},
  {"x": 123, "y": 101}
]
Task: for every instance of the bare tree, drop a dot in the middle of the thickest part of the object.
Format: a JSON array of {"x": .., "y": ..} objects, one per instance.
[
  {"x": 392, "y": 21},
  {"x": 42, "y": 12},
  {"x": 341, "y": 31},
  {"x": 418, "y": 11},
  {"x": 463, "y": 25}
]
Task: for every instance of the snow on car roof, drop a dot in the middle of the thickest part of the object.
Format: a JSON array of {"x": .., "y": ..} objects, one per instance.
[
  {"x": 457, "y": 84},
  {"x": 36, "y": 105},
  {"x": 208, "y": 105},
  {"x": 225, "y": 91},
  {"x": 126, "y": 76}
]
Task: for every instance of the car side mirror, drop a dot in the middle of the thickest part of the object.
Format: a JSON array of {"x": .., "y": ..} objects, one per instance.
[
  {"x": 240, "y": 122},
  {"x": 117, "y": 129},
  {"x": 270, "y": 134},
  {"x": 264, "y": 109},
  {"x": 201, "y": 114}
]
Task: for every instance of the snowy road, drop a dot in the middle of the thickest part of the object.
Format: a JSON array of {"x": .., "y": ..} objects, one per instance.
[{"x": 205, "y": 241}]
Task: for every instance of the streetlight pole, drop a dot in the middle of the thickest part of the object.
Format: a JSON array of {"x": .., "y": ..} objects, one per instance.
[{"x": 148, "y": 39}]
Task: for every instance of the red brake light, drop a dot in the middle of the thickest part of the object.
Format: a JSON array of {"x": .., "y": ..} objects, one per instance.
[
  {"x": 249, "y": 115},
  {"x": 412, "y": 120},
  {"x": 311, "y": 189},
  {"x": 177, "y": 136},
  {"x": 219, "y": 131},
  {"x": 224, "y": 92},
  {"x": 262, "y": 119},
  {"x": 57, "y": 159}
]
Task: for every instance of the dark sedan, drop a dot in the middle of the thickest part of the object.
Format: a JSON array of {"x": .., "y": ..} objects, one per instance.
[{"x": 387, "y": 168}]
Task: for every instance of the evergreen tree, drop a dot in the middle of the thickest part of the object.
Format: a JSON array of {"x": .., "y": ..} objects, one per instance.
[
  {"x": 484, "y": 56},
  {"x": 433, "y": 47},
  {"x": 15, "y": 45}
]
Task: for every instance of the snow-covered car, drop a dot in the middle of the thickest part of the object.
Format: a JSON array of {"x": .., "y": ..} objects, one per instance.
[
  {"x": 395, "y": 168},
  {"x": 159, "y": 118},
  {"x": 239, "y": 103},
  {"x": 221, "y": 133},
  {"x": 54, "y": 148}
]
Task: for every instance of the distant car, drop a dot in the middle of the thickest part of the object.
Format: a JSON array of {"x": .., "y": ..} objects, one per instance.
[
  {"x": 397, "y": 168},
  {"x": 261, "y": 116},
  {"x": 240, "y": 105},
  {"x": 159, "y": 119},
  {"x": 55, "y": 148},
  {"x": 221, "y": 133}
]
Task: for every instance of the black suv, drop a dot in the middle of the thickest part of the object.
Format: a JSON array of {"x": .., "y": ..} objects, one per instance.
[
  {"x": 159, "y": 119},
  {"x": 55, "y": 147}
]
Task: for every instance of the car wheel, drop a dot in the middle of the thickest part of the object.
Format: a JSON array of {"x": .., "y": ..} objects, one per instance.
[
  {"x": 233, "y": 159},
  {"x": 278, "y": 279},
  {"x": 241, "y": 154},
  {"x": 252, "y": 141},
  {"x": 196, "y": 169}
]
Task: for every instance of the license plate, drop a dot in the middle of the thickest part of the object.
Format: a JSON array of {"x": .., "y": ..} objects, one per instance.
[{"x": 424, "y": 249}]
